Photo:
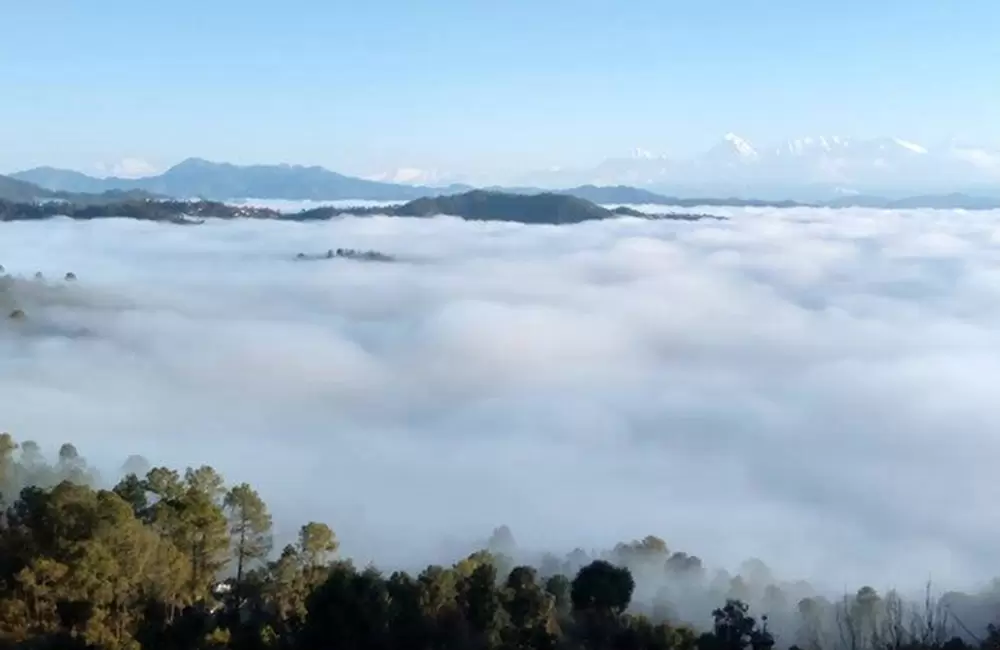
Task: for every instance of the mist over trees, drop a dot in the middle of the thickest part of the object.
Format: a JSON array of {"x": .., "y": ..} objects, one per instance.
[
  {"x": 169, "y": 559},
  {"x": 476, "y": 205}
]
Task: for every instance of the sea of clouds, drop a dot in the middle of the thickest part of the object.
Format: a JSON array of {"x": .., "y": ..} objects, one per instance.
[{"x": 816, "y": 388}]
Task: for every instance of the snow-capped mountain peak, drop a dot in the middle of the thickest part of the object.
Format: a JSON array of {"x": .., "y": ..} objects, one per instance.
[
  {"x": 848, "y": 164},
  {"x": 813, "y": 144},
  {"x": 911, "y": 146},
  {"x": 840, "y": 147},
  {"x": 414, "y": 176},
  {"x": 983, "y": 159},
  {"x": 740, "y": 145}
]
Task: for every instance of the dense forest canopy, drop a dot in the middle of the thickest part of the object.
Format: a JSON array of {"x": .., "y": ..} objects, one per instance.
[{"x": 171, "y": 559}]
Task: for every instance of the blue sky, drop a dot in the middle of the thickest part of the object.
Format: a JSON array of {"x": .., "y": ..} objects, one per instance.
[{"x": 521, "y": 84}]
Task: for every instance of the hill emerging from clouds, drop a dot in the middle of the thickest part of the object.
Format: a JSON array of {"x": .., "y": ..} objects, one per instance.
[
  {"x": 196, "y": 178},
  {"x": 477, "y": 205}
]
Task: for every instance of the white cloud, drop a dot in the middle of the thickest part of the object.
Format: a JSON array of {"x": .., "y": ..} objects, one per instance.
[
  {"x": 813, "y": 387},
  {"x": 414, "y": 176},
  {"x": 128, "y": 168},
  {"x": 982, "y": 159}
]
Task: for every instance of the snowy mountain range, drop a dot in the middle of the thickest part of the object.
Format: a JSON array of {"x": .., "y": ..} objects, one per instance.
[
  {"x": 821, "y": 164},
  {"x": 817, "y": 169}
]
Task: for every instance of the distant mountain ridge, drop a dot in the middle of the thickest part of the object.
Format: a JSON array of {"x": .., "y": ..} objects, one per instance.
[
  {"x": 12, "y": 189},
  {"x": 813, "y": 167},
  {"x": 67, "y": 180},
  {"x": 198, "y": 178}
]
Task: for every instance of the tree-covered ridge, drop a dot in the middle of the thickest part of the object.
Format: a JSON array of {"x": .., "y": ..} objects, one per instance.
[
  {"x": 477, "y": 205},
  {"x": 483, "y": 205},
  {"x": 168, "y": 559},
  {"x": 541, "y": 208},
  {"x": 347, "y": 253},
  {"x": 180, "y": 212}
]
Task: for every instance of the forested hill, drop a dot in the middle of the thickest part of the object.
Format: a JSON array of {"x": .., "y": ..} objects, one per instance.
[
  {"x": 172, "y": 560},
  {"x": 487, "y": 205},
  {"x": 495, "y": 206},
  {"x": 477, "y": 205},
  {"x": 184, "y": 212}
]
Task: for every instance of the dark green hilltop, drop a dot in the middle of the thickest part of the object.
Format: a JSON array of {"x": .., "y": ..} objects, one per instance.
[{"x": 477, "y": 205}]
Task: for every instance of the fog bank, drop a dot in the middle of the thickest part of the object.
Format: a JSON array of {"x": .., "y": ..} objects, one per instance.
[{"x": 815, "y": 388}]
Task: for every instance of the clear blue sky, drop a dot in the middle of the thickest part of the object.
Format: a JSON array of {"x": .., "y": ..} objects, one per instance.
[{"x": 360, "y": 86}]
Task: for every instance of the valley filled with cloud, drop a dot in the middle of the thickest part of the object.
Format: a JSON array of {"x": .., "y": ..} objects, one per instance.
[{"x": 816, "y": 388}]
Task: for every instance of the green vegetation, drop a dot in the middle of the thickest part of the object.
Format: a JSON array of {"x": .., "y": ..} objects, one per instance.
[
  {"x": 177, "y": 212},
  {"x": 350, "y": 254},
  {"x": 477, "y": 205},
  {"x": 172, "y": 560},
  {"x": 482, "y": 205},
  {"x": 623, "y": 211},
  {"x": 14, "y": 291}
]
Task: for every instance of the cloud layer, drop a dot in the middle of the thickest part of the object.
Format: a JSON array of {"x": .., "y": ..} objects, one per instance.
[
  {"x": 816, "y": 388},
  {"x": 128, "y": 168}
]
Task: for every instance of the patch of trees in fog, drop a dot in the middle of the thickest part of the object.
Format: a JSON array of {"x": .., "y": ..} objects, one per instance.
[
  {"x": 169, "y": 559},
  {"x": 347, "y": 253}
]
